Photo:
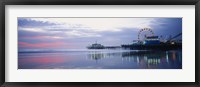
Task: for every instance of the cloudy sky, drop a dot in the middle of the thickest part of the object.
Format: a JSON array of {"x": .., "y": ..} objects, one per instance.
[{"x": 77, "y": 33}]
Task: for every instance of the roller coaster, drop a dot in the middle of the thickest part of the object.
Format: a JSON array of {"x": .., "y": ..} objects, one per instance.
[{"x": 148, "y": 40}]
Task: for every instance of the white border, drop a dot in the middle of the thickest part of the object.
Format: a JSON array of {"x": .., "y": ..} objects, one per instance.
[{"x": 186, "y": 74}]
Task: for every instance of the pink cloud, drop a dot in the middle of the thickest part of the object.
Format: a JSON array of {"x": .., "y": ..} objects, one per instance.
[
  {"x": 42, "y": 37},
  {"x": 44, "y": 45}
]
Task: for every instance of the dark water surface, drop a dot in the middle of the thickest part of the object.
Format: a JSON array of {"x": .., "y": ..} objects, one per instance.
[{"x": 100, "y": 59}]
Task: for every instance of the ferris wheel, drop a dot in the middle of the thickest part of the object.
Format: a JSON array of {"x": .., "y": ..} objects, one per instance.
[{"x": 145, "y": 32}]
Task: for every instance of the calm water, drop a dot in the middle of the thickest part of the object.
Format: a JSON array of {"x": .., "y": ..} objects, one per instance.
[{"x": 100, "y": 59}]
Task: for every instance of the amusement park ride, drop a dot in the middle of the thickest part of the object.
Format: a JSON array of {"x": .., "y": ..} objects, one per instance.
[
  {"x": 147, "y": 40},
  {"x": 150, "y": 38}
]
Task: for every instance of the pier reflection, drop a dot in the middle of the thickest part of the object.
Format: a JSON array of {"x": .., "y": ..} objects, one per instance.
[{"x": 143, "y": 59}]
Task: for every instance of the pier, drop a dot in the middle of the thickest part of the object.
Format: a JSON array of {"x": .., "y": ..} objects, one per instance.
[
  {"x": 149, "y": 42},
  {"x": 112, "y": 47}
]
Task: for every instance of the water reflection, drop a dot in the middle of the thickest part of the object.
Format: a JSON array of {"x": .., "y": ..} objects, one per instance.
[
  {"x": 103, "y": 59},
  {"x": 144, "y": 59}
]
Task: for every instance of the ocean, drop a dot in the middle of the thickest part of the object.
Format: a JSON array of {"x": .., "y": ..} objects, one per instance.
[{"x": 99, "y": 59}]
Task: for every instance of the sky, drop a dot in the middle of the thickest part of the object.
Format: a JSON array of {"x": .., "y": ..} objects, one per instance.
[{"x": 78, "y": 33}]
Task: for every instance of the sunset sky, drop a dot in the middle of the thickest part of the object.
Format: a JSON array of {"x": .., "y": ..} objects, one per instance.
[{"x": 77, "y": 33}]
